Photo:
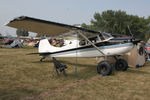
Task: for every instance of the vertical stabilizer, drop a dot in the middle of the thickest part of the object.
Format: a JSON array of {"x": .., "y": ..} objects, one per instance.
[{"x": 44, "y": 46}]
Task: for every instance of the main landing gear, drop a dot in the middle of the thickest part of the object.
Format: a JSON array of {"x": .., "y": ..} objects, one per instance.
[
  {"x": 105, "y": 67},
  {"x": 121, "y": 65}
]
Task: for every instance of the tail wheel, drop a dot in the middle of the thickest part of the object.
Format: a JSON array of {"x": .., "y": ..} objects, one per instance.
[
  {"x": 121, "y": 65},
  {"x": 104, "y": 68}
]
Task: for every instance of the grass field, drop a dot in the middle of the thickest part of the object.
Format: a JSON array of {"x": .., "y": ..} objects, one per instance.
[{"x": 24, "y": 77}]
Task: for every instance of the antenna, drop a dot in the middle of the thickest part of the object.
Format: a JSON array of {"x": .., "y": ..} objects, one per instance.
[{"x": 130, "y": 31}]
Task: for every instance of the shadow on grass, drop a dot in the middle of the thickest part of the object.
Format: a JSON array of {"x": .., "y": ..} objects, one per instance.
[
  {"x": 89, "y": 70},
  {"x": 67, "y": 63},
  {"x": 84, "y": 71},
  {"x": 46, "y": 61},
  {"x": 137, "y": 71}
]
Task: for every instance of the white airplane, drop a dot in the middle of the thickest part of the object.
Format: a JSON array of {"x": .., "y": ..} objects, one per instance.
[{"x": 78, "y": 42}]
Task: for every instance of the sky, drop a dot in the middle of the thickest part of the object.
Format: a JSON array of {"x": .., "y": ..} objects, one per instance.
[{"x": 66, "y": 11}]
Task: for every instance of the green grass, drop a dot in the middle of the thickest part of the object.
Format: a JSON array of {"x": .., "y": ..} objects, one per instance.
[{"x": 24, "y": 76}]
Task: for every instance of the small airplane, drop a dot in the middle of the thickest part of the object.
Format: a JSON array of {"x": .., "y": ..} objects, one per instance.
[
  {"x": 8, "y": 40},
  {"x": 11, "y": 42},
  {"x": 17, "y": 43},
  {"x": 77, "y": 42}
]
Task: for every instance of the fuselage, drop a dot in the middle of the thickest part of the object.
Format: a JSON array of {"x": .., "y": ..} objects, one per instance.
[{"x": 74, "y": 49}]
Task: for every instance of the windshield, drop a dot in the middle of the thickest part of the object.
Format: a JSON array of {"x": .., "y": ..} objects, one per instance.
[{"x": 107, "y": 35}]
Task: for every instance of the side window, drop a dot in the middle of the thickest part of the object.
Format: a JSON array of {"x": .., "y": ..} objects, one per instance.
[
  {"x": 107, "y": 35},
  {"x": 101, "y": 37},
  {"x": 57, "y": 42},
  {"x": 82, "y": 42}
]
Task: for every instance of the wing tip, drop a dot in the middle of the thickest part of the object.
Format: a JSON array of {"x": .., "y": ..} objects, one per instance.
[{"x": 14, "y": 19}]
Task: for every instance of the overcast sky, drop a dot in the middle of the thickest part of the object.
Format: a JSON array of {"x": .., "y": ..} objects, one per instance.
[{"x": 66, "y": 11}]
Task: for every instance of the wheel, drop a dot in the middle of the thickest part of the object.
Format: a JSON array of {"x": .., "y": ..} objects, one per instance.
[
  {"x": 121, "y": 65},
  {"x": 141, "y": 51},
  {"x": 104, "y": 68}
]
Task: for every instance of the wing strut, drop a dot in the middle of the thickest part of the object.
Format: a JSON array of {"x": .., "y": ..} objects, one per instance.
[{"x": 92, "y": 44}]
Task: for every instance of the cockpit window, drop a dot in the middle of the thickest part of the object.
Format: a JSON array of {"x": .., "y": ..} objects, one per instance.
[
  {"x": 92, "y": 39},
  {"x": 57, "y": 42},
  {"x": 82, "y": 42},
  {"x": 107, "y": 35},
  {"x": 99, "y": 38}
]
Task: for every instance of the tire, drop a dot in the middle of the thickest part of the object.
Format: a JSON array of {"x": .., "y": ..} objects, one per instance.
[
  {"x": 141, "y": 51},
  {"x": 104, "y": 68},
  {"x": 121, "y": 65}
]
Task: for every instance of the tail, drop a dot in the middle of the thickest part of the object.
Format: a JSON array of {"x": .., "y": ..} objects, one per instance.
[{"x": 44, "y": 46}]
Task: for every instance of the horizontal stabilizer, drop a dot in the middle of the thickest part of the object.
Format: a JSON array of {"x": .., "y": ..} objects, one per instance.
[{"x": 45, "y": 53}]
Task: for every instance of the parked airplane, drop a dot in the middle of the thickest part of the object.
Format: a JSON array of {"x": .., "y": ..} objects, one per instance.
[
  {"x": 78, "y": 42},
  {"x": 11, "y": 42},
  {"x": 17, "y": 43}
]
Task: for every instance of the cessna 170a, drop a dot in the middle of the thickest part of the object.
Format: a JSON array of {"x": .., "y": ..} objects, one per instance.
[{"x": 78, "y": 42}]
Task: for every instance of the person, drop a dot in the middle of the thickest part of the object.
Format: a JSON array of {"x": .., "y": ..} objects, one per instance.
[
  {"x": 61, "y": 42},
  {"x": 53, "y": 42}
]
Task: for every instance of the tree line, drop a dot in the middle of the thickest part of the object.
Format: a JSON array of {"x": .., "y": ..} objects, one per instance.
[
  {"x": 118, "y": 21},
  {"x": 20, "y": 32}
]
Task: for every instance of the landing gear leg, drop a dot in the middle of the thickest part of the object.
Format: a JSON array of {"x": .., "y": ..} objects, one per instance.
[{"x": 42, "y": 59}]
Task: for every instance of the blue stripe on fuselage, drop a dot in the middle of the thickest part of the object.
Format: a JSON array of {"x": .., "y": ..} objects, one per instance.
[{"x": 101, "y": 47}]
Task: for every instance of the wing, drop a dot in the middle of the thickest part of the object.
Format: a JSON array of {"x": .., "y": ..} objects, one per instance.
[{"x": 43, "y": 27}]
